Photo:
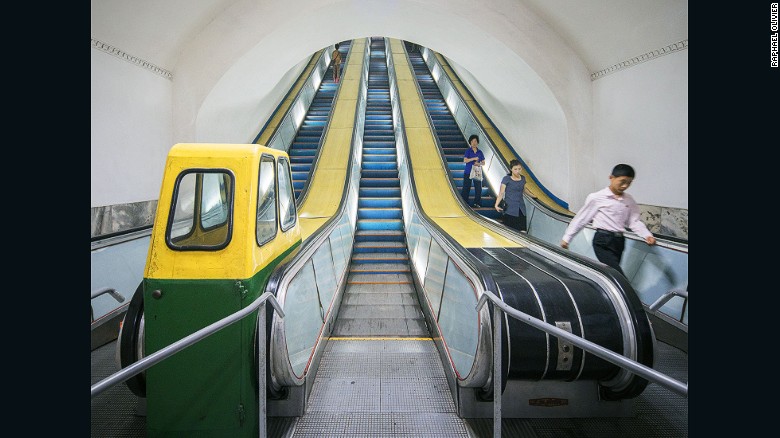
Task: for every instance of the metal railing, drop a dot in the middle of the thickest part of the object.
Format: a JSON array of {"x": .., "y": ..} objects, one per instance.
[
  {"x": 311, "y": 284},
  {"x": 109, "y": 291},
  {"x": 666, "y": 297},
  {"x": 595, "y": 349},
  {"x": 164, "y": 353},
  {"x": 100, "y": 292}
]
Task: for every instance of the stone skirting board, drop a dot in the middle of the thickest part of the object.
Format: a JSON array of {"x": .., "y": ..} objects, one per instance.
[
  {"x": 667, "y": 221},
  {"x": 122, "y": 217}
]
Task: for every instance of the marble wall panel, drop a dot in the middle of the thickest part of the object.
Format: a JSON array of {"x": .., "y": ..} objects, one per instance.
[
  {"x": 665, "y": 221},
  {"x": 121, "y": 217}
]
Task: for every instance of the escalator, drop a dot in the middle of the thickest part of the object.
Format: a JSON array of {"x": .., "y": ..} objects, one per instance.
[
  {"x": 576, "y": 303},
  {"x": 306, "y": 144},
  {"x": 653, "y": 271},
  {"x": 380, "y": 354},
  {"x": 571, "y": 292},
  {"x": 381, "y": 370},
  {"x": 453, "y": 143},
  {"x": 379, "y": 256}
]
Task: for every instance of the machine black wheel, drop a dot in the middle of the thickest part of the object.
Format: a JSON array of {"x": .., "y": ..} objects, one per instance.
[{"x": 130, "y": 338}]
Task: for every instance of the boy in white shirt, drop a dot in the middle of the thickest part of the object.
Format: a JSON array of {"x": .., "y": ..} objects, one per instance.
[{"x": 612, "y": 211}]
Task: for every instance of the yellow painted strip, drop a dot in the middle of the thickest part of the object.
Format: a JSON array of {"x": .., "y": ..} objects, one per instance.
[
  {"x": 277, "y": 117},
  {"x": 378, "y": 339},
  {"x": 490, "y": 130},
  {"x": 330, "y": 175},
  {"x": 430, "y": 175},
  {"x": 379, "y": 282}
]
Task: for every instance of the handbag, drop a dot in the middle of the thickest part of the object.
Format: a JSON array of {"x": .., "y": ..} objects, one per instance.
[
  {"x": 502, "y": 205},
  {"x": 476, "y": 173}
]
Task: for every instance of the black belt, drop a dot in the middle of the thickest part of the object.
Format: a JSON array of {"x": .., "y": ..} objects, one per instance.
[{"x": 613, "y": 233}]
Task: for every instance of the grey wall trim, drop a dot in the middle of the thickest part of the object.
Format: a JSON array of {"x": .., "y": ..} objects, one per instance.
[
  {"x": 681, "y": 45},
  {"x": 122, "y": 217},
  {"x": 668, "y": 221},
  {"x": 111, "y": 50}
]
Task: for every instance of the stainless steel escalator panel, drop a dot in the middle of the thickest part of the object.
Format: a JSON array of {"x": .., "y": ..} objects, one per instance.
[{"x": 366, "y": 388}]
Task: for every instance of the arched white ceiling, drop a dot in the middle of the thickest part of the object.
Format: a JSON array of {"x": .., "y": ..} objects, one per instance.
[
  {"x": 528, "y": 61},
  {"x": 601, "y": 32},
  {"x": 520, "y": 68}
]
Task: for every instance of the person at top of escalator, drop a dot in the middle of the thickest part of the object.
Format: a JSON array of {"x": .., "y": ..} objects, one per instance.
[
  {"x": 336, "y": 62},
  {"x": 512, "y": 187},
  {"x": 612, "y": 210},
  {"x": 472, "y": 157}
]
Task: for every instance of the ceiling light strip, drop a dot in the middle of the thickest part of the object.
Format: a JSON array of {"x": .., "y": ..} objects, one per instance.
[
  {"x": 681, "y": 45},
  {"x": 111, "y": 50}
]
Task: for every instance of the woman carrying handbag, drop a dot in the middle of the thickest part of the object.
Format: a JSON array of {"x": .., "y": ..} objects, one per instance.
[{"x": 510, "y": 197}]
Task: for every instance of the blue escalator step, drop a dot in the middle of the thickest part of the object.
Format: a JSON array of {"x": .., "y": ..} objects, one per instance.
[
  {"x": 379, "y": 247},
  {"x": 367, "y": 202},
  {"x": 380, "y": 158},
  {"x": 380, "y": 182},
  {"x": 379, "y": 236},
  {"x": 379, "y": 213},
  {"x": 370, "y": 173},
  {"x": 380, "y": 224},
  {"x": 378, "y": 192}
]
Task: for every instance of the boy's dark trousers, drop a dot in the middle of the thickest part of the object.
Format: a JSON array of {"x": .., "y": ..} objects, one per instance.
[{"x": 608, "y": 247}]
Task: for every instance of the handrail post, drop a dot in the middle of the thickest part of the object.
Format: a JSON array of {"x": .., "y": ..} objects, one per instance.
[
  {"x": 666, "y": 297},
  {"x": 496, "y": 371},
  {"x": 110, "y": 291},
  {"x": 261, "y": 382}
]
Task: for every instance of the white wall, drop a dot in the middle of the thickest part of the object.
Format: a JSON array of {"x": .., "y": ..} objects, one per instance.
[
  {"x": 641, "y": 118},
  {"x": 238, "y": 107},
  {"x": 130, "y": 133},
  {"x": 530, "y": 118},
  {"x": 230, "y": 75},
  {"x": 506, "y": 46}
]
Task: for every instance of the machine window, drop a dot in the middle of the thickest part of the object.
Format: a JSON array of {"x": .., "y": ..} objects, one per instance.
[
  {"x": 266, "y": 201},
  {"x": 286, "y": 195},
  {"x": 201, "y": 211}
]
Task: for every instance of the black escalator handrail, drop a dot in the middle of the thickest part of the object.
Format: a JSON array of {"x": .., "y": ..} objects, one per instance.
[
  {"x": 463, "y": 258},
  {"x": 640, "y": 342},
  {"x": 323, "y": 136},
  {"x": 595, "y": 349},
  {"x": 638, "y": 338},
  {"x": 283, "y": 274}
]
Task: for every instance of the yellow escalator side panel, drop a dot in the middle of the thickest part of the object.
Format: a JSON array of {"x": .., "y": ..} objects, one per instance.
[
  {"x": 330, "y": 174},
  {"x": 431, "y": 178},
  {"x": 284, "y": 107},
  {"x": 503, "y": 149}
]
